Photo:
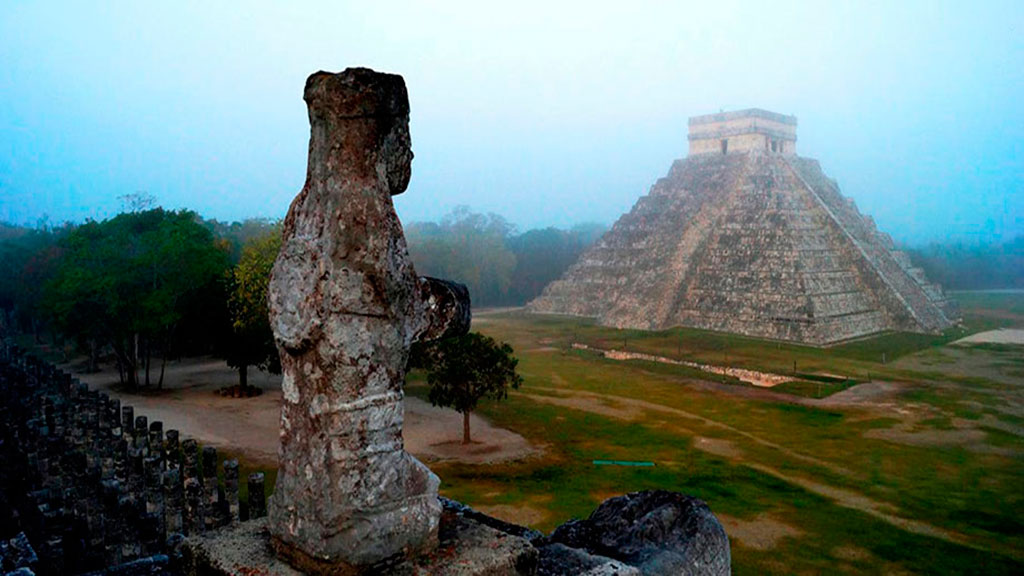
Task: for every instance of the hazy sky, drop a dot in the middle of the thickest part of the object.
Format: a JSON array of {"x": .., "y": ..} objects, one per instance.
[{"x": 548, "y": 113}]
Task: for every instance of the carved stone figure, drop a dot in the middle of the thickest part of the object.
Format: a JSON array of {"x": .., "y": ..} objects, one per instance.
[{"x": 345, "y": 306}]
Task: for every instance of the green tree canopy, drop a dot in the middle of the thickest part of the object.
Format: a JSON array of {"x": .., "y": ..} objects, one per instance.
[
  {"x": 28, "y": 258},
  {"x": 253, "y": 340},
  {"x": 464, "y": 369},
  {"x": 128, "y": 282}
]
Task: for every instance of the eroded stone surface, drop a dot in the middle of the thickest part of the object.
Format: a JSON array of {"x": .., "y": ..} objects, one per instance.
[
  {"x": 658, "y": 532},
  {"x": 345, "y": 306},
  {"x": 559, "y": 559}
]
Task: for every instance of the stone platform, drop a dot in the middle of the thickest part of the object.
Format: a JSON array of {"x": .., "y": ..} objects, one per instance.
[
  {"x": 467, "y": 548},
  {"x": 650, "y": 533}
]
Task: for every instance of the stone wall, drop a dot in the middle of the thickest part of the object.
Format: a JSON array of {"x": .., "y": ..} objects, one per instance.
[
  {"x": 95, "y": 486},
  {"x": 743, "y": 130},
  {"x": 741, "y": 143}
]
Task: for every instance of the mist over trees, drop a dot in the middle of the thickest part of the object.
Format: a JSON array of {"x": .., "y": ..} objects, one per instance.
[
  {"x": 981, "y": 267},
  {"x": 500, "y": 266},
  {"x": 27, "y": 261}
]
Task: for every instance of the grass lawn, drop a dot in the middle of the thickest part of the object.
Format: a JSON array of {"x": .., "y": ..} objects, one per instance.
[{"x": 921, "y": 476}]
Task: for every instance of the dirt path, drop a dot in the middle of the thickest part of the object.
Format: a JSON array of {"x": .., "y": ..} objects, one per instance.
[
  {"x": 763, "y": 532},
  {"x": 597, "y": 404},
  {"x": 249, "y": 426}
]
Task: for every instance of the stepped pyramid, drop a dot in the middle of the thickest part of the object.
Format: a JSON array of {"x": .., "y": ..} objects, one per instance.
[{"x": 745, "y": 236}]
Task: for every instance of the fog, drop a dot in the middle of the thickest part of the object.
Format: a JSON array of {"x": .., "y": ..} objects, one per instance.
[{"x": 545, "y": 113}]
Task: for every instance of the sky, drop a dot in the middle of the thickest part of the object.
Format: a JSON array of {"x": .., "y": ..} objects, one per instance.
[{"x": 547, "y": 113}]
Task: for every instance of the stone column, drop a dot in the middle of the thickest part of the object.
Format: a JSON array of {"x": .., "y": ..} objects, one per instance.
[
  {"x": 257, "y": 495},
  {"x": 192, "y": 487},
  {"x": 193, "y": 506},
  {"x": 127, "y": 421},
  {"x": 174, "y": 503},
  {"x": 173, "y": 454},
  {"x": 154, "y": 533},
  {"x": 231, "y": 489},
  {"x": 190, "y": 458},
  {"x": 141, "y": 435},
  {"x": 345, "y": 306},
  {"x": 156, "y": 440},
  {"x": 211, "y": 508}
]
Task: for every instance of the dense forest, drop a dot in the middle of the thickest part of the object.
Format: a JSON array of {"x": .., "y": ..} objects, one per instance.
[
  {"x": 150, "y": 284},
  {"x": 140, "y": 288}
]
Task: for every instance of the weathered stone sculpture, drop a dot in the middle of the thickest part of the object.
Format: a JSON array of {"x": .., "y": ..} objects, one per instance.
[{"x": 345, "y": 306}]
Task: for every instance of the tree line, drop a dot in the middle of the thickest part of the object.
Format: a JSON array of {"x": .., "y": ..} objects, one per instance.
[
  {"x": 142, "y": 287},
  {"x": 150, "y": 284},
  {"x": 500, "y": 266},
  {"x": 973, "y": 267}
]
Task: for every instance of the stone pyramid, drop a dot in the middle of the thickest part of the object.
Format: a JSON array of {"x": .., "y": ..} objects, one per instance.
[{"x": 744, "y": 236}]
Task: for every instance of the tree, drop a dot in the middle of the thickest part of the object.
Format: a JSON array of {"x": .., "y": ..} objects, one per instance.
[
  {"x": 128, "y": 282},
  {"x": 500, "y": 267},
  {"x": 543, "y": 255},
  {"x": 28, "y": 259},
  {"x": 464, "y": 369},
  {"x": 466, "y": 247},
  {"x": 253, "y": 340}
]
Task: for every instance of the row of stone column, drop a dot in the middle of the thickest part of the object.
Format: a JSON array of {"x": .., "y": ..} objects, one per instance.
[{"x": 102, "y": 485}]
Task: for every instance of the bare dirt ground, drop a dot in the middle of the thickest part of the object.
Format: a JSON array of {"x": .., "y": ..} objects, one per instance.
[
  {"x": 760, "y": 533},
  {"x": 249, "y": 427},
  {"x": 524, "y": 515}
]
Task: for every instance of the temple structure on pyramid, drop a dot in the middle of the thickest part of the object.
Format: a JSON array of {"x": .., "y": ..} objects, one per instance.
[{"x": 745, "y": 236}]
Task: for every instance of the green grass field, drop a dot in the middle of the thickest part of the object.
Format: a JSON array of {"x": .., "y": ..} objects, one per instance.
[{"x": 915, "y": 467}]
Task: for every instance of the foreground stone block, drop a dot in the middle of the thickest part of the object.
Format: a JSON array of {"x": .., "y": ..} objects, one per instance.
[
  {"x": 659, "y": 532},
  {"x": 345, "y": 306}
]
